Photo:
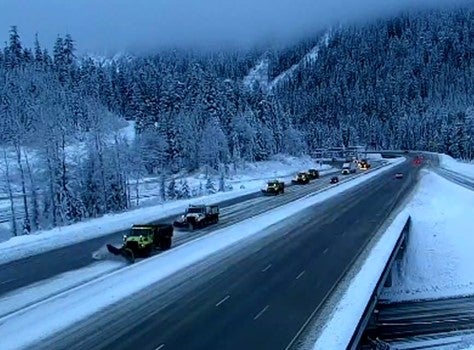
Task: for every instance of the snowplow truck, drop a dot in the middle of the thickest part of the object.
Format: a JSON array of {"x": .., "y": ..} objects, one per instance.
[
  {"x": 313, "y": 174},
  {"x": 142, "y": 240},
  {"x": 198, "y": 216},
  {"x": 274, "y": 187},
  {"x": 301, "y": 179}
]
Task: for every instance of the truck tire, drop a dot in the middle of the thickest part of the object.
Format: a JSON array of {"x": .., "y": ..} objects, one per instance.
[
  {"x": 148, "y": 251},
  {"x": 166, "y": 243},
  {"x": 129, "y": 255}
]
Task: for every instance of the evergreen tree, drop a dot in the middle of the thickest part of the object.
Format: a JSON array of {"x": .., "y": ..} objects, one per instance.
[
  {"x": 171, "y": 191},
  {"x": 210, "y": 187},
  {"x": 184, "y": 192},
  {"x": 14, "y": 51}
]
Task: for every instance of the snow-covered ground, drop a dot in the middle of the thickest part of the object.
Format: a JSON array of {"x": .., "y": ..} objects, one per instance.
[
  {"x": 463, "y": 168},
  {"x": 250, "y": 180},
  {"x": 62, "y": 311},
  {"x": 438, "y": 260},
  {"x": 345, "y": 315},
  {"x": 259, "y": 74},
  {"x": 310, "y": 57},
  {"x": 24, "y": 297}
]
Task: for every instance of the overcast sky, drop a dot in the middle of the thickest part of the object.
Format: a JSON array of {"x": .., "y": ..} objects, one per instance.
[{"x": 107, "y": 26}]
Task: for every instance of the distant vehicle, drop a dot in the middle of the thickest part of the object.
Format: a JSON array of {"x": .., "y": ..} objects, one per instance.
[
  {"x": 143, "y": 240},
  {"x": 399, "y": 175},
  {"x": 348, "y": 168},
  {"x": 334, "y": 180},
  {"x": 418, "y": 159},
  {"x": 198, "y": 216},
  {"x": 406, "y": 151},
  {"x": 274, "y": 187},
  {"x": 364, "y": 164},
  {"x": 313, "y": 174},
  {"x": 301, "y": 178}
]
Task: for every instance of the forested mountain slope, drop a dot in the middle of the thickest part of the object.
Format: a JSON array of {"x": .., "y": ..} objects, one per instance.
[{"x": 402, "y": 82}]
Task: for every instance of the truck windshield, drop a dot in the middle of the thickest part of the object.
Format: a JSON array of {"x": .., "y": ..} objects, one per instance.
[
  {"x": 195, "y": 210},
  {"x": 139, "y": 231}
]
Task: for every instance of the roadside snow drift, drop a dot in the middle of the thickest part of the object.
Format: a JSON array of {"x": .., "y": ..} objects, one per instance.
[
  {"x": 463, "y": 168},
  {"x": 60, "y": 312},
  {"x": 438, "y": 261}
]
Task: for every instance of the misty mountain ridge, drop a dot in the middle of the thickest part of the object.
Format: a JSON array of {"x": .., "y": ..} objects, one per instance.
[{"x": 403, "y": 82}]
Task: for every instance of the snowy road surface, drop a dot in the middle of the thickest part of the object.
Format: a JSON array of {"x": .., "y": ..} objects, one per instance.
[
  {"x": 269, "y": 273},
  {"x": 336, "y": 332},
  {"x": 17, "y": 274}
]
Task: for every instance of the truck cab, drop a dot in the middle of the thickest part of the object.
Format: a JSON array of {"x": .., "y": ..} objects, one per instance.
[
  {"x": 274, "y": 187},
  {"x": 301, "y": 178},
  {"x": 198, "y": 216},
  {"x": 313, "y": 174}
]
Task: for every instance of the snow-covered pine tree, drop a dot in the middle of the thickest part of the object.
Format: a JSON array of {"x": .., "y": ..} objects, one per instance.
[
  {"x": 162, "y": 187},
  {"x": 221, "y": 182},
  {"x": 210, "y": 186},
  {"x": 184, "y": 191},
  {"x": 171, "y": 190}
]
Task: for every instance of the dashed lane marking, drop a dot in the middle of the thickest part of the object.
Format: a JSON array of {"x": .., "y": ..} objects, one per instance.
[
  {"x": 261, "y": 312},
  {"x": 223, "y": 300}
]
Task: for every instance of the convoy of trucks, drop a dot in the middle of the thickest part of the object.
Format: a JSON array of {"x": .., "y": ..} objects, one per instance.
[{"x": 143, "y": 240}]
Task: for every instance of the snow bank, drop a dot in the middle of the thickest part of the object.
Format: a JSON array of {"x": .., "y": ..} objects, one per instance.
[
  {"x": 249, "y": 180},
  {"x": 438, "y": 259},
  {"x": 346, "y": 314},
  {"x": 24, "y": 297},
  {"x": 464, "y": 168},
  {"x": 62, "y": 311}
]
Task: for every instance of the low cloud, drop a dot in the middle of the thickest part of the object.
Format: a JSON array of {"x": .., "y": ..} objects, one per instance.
[{"x": 107, "y": 26}]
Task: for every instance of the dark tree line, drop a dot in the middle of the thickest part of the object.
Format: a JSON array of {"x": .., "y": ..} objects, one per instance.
[{"x": 404, "y": 82}]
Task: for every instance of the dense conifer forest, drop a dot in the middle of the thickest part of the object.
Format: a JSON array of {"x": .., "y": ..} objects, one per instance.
[{"x": 405, "y": 82}]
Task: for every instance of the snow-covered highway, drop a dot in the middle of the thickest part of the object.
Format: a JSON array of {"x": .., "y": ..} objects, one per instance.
[
  {"x": 268, "y": 246},
  {"x": 53, "y": 259}
]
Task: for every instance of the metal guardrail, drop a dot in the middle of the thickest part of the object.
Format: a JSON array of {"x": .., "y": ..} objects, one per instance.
[{"x": 369, "y": 309}]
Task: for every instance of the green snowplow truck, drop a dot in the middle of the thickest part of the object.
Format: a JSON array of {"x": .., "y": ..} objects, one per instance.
[{"x": 143, "y": 240}]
